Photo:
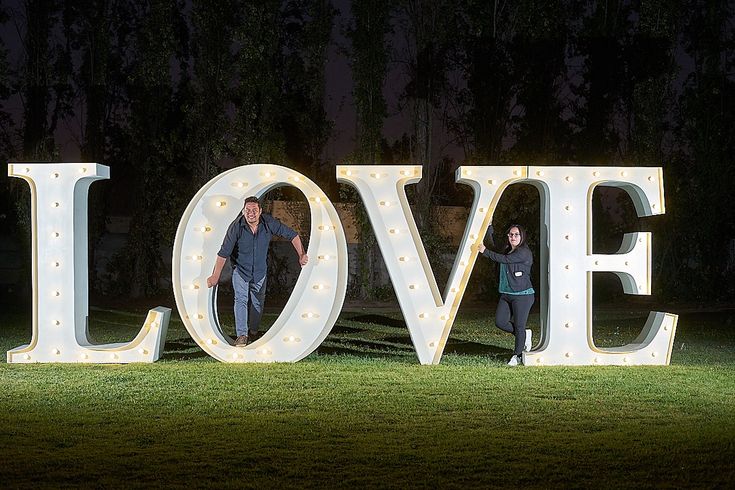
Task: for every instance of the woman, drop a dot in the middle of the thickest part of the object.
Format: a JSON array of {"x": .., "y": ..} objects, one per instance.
[{"x": 516, "y": 290}]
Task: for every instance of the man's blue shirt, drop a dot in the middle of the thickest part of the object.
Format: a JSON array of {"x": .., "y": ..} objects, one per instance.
[{"x": 249, "y": 251}]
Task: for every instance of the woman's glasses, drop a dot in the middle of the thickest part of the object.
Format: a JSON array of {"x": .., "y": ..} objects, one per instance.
[{"x": 511, "y": 235}]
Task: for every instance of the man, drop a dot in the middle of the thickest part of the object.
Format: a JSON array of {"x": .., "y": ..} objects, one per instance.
[{"x": 246, "y": 244}]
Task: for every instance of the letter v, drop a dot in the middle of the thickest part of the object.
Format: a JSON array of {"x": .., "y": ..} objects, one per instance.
[{"x": 429, "y": 316}]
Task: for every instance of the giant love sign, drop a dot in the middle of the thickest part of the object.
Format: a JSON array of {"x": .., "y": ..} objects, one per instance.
[{"x": 60, "y": 282}]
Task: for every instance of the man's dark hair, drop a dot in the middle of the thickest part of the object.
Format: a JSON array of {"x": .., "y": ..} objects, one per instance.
[{"x": 252, "y": 199}]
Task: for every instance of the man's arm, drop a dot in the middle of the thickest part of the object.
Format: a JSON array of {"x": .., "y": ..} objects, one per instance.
[
  {"x": 303, "y": 258},
  {"x": 214, "y": 278}
]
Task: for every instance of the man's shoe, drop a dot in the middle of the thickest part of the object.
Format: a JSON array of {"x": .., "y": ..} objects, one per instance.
[
  {"x": 528, "y": 345},
  {"x": 253, "y": 336},
  {"x": 241, "y": 341},
  {"x": 513, "y": 361}
]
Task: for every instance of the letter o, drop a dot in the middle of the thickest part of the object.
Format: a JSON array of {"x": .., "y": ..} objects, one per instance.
[{"x": 317, "y": 297}]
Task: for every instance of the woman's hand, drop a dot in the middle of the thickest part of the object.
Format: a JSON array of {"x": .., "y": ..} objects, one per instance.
[{"x": 481, "y": 247}]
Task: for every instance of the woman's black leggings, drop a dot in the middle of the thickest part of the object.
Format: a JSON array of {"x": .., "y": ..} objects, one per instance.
[{"x": 511, "y": 316}]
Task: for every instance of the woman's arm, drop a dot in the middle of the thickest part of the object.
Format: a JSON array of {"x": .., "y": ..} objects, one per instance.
[{"x": 520, "y": 255}]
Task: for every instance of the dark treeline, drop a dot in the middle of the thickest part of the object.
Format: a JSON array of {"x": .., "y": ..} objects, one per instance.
[{"x": 168, "y": 93}]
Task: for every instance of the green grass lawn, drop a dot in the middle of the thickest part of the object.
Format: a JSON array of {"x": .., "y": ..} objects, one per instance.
[{"x": 361, "y": 412}]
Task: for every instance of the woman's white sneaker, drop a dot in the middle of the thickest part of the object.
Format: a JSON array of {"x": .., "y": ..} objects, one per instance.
[
  {"x": 513, "y": 361},
  {"x": 528, "y": 344}
]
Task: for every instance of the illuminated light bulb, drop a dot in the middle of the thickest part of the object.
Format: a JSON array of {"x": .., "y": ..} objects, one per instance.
[
  {"x": 27, "y": 357},
  {"x": 473, "y": 236},
  {"x": 568, "y": 354},
  {"x": 540, "y": 173},
  {"x": 516, "y": 172},
  {"x": 57, "y": 293},
  {"x": 375, "y": 175},
  {"x": 154, "y": 324},
  {"x": 443, "y": 317},
  {"x": 264, "y": 352},
  {"x": 56, "y": 351},
  {"x": 56, "y": 264},
  {"x": 568, "y": 325},
  {"x": 596, "y": 173},
  {"x": 568, "y": 178},
  {"x": 318, "y": 286},
  {"x": 309, "y": 314},
  {"x": 142, "y": 352},
  {"x": 432, "y": 343},
  {"x": 624, "y": 173},
  {"x": 200, "y": 316},
  {"x": 348, "y": 173},
  {"x": 326, "y": 227},
  {"x": 482, "y": 210},
  {"x": 239, "y": 184},
  {"x": 267, "y": 174},
  {"x": 385, "y": 203},
  {"x": 453, "y": 290},
  {"x": 204, "y": 229},
  {"x": 394, "y": 231},
  {"x": 297, "y": 178},
  {"x": 235, "y": 356},
  {"x": 423, "y": 315},
  {"x": 57, "y": 322},
  {"x": 55, "y": 204},
  {"x": 491, "y": 182},
  {"x": 468, "y": 172},
  {"x": 56, "y": 234},
  {"x": 55, "y": 175},
  {"x": 403, "y": 259},
  {"x": 290, "y": 338},
  {"x": 413, "y": 286},
  {"x": 462, "y": 263},
  {"x": 192, "y": 286},
  {"x": 220, "y": 204},
  {"x": 210, "y": 341},
  {"x": 198, "y": 257}
]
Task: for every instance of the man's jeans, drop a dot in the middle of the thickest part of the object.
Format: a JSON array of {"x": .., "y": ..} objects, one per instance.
[{"x": 249, "y": 301}]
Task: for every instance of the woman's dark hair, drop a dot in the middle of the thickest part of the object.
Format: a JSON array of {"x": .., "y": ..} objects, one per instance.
[{"x": 522, "y": 243}]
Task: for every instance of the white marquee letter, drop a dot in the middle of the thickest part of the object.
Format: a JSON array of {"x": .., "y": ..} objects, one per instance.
[
  {"x": 60, "y": 273},
  {"x": 318, "y": 295},
  {"x": 429, "y": 316},
  {"x": 566, "y": 250}
]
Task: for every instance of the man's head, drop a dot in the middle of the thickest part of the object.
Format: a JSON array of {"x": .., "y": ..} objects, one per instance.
[{"x": 252, "y": 210}]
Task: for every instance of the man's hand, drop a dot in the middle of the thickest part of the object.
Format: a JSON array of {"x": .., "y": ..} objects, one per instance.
[
  {"x": 303, "y": 260},
  {"x": 212, "y": 281}
]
